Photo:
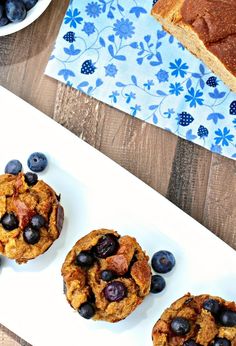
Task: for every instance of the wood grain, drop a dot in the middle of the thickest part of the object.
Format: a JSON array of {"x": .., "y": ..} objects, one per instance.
[{"x": 199, "y": 182}]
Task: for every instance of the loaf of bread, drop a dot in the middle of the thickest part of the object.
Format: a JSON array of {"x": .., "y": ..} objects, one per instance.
[{"x": 205, "y": 27}]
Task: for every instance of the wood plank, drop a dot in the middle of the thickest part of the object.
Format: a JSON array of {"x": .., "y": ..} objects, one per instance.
[{"x": 141, "y": 148}]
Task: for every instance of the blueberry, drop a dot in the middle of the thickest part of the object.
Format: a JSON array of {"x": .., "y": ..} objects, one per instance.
[
  {"x": 4, "y": 21},
  {"x": 212, "y": 305},
  {"x": 15, "y": 10},
  {"x": 31, "y": 235},
  {"x": 13, "y": 167},
  {"x": 106, "y": 246},
  {"x": 163, "y": 261},
  {"x": 190, "y": 342},
  {"x": 107, "y": 275},
  {"x": 38, "y": 221},
  {"x": 115, "y": 291},
  {"x": 9, "y": 221},
  {"x": 37, "y": 162},
  {"x": 84, "y": 259},
  {"x": 29, "y": 4},
  {"x": 228, "y": 318},
  {"x": 86, "y": 310},
  {"x": 31, "y": 178},
  {"x": 180, "y": 326},
  {"x": 157, "y": 284},
  {"x": 221, "y": 342}
]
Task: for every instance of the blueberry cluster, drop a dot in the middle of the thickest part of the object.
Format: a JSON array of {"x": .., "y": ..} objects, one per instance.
[
  {"x": 181, "y": 326},
  {"x": 36, "y": 162},
  {"x": 114, "y": 291},
  {"x": 162, "y": 262},
  {"x": 31, "y": 232},
  {"x": 14, "y": 10}
]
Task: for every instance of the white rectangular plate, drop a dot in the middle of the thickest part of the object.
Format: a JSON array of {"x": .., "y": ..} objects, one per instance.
[{"x": 96, "y": 193}]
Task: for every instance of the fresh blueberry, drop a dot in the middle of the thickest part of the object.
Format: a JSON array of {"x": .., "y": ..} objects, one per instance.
[
  {"x": 9, "y": 221},
  {"x": 221, "y": 342},
  {"x": 15, "y": 10},
  {"x": 228, "y": 318},
  {"x": 115, "y": 291},
  {"x": 31, "y": 178},
  {"x": 84, "y": 259},
  {"x": 163, "y": 261},
  {"x": 13, "y": 167},
  {"x": 31, "y": 235},
  {"x": 4, "y": 21},
  {"x": 38, "y": 221},
  {"x": 29, "y": 4},
  {"x": 86, "y": 310},
  {"x": 212, "y": 305},
  {"x": 190, "y": 342},
  {"x": 180, "y": 326},
  {"x": 106, "y": 246},
  {"x": 107, "y": 275},
  {"x": 157, "y": 284},
  {"x": 37, "y": 162}
]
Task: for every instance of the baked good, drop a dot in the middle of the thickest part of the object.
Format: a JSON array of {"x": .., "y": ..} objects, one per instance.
[
  {"x": 197, "y": 321},
  {"x": 207, "y": 28},
  {"x": 106, "y": 276},
  {"x": 31, "y": 216}
]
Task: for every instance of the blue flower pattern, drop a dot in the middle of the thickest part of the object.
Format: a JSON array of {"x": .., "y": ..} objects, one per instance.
[{"x": 116, "y": 52}]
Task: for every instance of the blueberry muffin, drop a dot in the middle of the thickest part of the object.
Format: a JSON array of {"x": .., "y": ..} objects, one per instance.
[
  {"x": 106, "y": 276},
  {"x": 197, "y": 321},
  {"x": 31, "y": 216}
]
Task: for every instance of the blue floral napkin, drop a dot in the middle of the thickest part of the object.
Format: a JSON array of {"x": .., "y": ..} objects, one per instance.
[{"x": 116, "y": 52}]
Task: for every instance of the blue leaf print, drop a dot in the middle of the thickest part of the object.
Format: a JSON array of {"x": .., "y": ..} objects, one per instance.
[
  {"x": 90, "y": 89},
  {"x": 153, "y": 107},
  {"x": 134, "y": 80},
  {"x": 120, "y": 7},
  {"x": 215, "y": 117},
  {"x": 202, "y": 69},
  {"x": 202, "y": 83},
  {"x": 99, "y": 82},
  {"x": 102, "y": 42},
  {"x": 217, "y": 94},
  {"x": 190, "y": 136},
  {"x": 171, "y": 39},
  {"x": 111, "y": 50},
  {"x": 154, "y": 119},
  {"x": 161, "y": 93},
  {"x": 189, "y": 83},
  {"x": 120, "y": 57},
  {"x": 71, "y": 50},
  {"x": 83, "y": 84},
  {"x": 66, "y": 73},
  {"x": 120, "y": 85},
  {"x": 52, "y": 57},
  {"x": 160, "y": 34},
  {"x": 196, "y": 75},
  {"x": 137, "y": 11}
]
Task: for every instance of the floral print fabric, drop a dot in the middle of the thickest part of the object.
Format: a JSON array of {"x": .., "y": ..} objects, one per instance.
[{"x": 116, "y": 52}]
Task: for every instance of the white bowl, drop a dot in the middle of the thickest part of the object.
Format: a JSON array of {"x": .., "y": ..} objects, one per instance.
[{"x": 32, "y": 15}]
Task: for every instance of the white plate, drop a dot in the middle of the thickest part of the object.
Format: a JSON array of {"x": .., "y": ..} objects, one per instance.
[
  {"x": 96, "y": 192},
  {"x": 32, "y": 15}
]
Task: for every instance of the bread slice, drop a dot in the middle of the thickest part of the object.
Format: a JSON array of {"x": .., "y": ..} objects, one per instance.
[{"x": 217, "y": 52}]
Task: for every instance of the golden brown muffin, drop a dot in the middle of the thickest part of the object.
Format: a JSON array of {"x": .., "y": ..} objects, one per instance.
[
  {"x": 106, "y": 276},
  {"x": 31, "y": 217},
  {"x": 207, "y": 28},
  {"x": 197, "y": 321}
]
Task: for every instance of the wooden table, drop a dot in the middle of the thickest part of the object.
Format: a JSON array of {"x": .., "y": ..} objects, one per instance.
[{"x": 199, "y": 182}]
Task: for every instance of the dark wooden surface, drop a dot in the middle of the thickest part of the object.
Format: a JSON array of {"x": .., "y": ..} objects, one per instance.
[{"x": 199, "y": 182}]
